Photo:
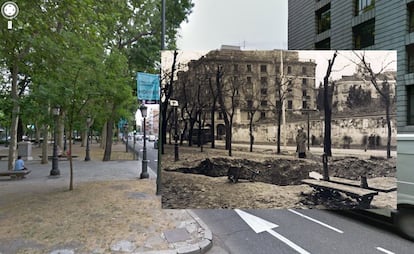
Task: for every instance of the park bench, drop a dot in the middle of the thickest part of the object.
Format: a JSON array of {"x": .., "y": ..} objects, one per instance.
[
  {"x": 60, "y": 157},
  {"x": 3, "y": 156},
  {"x": 362, "y": 196},
  {"x": 15, "y": 174}
]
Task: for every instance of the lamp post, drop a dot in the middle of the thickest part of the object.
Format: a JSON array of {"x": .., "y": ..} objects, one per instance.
[
  {"x": 55, "y": 167},
  {"x": 144, "y": 173},
  {"x": 126, "y": 136},
  {"x": 88, "y": 125},
  {"x": 307, "y": 111},
  {"x": 174, "y": 105}
]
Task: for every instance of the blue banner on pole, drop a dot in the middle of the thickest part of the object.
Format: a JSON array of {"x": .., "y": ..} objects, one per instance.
[{"x": 148, "y": 86}]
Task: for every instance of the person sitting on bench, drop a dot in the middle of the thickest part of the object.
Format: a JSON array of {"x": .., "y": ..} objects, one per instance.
[{"x": 19, "y": 165}]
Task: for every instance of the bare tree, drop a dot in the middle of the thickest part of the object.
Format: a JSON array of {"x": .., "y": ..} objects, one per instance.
[
  {"x": 382, "y": 89},
  {"x": 328, "y": 93},
  {"x": 166, "y": 93},
  {"x": 227, "y": 88}
]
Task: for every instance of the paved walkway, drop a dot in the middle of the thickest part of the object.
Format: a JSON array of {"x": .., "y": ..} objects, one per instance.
[{"x": 187, "y": 233}]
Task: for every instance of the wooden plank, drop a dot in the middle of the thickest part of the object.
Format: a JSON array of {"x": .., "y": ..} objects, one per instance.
[
  {"x": 340, "y": 187},
  {"x": 382, "y": 184},
  {"x": 15, "y": 173}
]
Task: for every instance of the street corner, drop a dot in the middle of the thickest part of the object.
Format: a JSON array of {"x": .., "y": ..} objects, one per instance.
[{"x": 189, "y": 233}]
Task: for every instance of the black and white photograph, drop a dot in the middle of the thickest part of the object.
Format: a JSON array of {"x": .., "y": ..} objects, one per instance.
[{"x": 279, "y": 129}]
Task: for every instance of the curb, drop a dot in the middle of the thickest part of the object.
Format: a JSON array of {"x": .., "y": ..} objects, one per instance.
[{"x": 197, "y": 248}]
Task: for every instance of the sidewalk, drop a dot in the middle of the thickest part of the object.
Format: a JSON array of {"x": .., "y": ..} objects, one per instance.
[{"x": 110, "y": 210}]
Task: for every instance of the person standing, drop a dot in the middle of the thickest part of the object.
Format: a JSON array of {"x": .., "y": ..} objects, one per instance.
[
  {"x": 19, "y": 164},
  {"x": 301, "y": 143}
]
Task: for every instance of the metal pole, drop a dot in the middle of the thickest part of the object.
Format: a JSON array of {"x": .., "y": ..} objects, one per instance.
[
  {"x": 308, "y": 131},
  {"x": 55, "y": 167},
  {"x": 87, "y": 157},
  {"x": 144, "y": 173},
  {"x": 176, "y": 157}
]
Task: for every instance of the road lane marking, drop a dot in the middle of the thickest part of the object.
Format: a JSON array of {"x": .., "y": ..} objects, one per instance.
[
  {"x": 316, "y": 221},
  {"x": 385, "y": 251},
  {"x": 288, "y": 242},
  {"x": 259, "y": 225}
]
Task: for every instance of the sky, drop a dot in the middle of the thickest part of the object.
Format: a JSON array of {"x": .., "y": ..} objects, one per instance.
[
  {"x": 253, "y": 25},
  {"x": 259, "y": 24}
]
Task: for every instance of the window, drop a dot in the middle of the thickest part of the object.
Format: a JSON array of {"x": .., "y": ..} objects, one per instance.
[
  {"x": 323, "y": 17},
  {"x": 263, "y": 91},
  {"x": 278, "y": 105},
  {"x": 235, "y": 79},
  {"x": 249, "y": 80},
  {"x": 236, "y": 67},
  {"x": 249, "y": 104},
  {"x": 290, "y": 104},
  {"x": 263, "y": 68},
  {"x": 262, "y": 115},
  {"x": 263, "y": 103},
  {"x": 410, "y": 58},
  {"x": 263, "y": 81},
  {"x": 303, "y": 70},
  {"x": 289, "y": 70},
  {"x": 304, "y": 104},
  {"x": 249, "y": 68},
  {"x": 364, "y": 34},
  {"x": 304, "y": 93},
  {"x": 220, "y": 116},
  {"x": 411, "y": 17},
  {"x": 325, "y": 44},
  {"x": 410, "y": 97},
  {"x": 362, "y": 6},
  {"x": 304, "y": 81}
]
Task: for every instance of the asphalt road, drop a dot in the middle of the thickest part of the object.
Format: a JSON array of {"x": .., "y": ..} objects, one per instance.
[
  {"x": 321, "y": 232},
  {"x": 152, "y": 154}
]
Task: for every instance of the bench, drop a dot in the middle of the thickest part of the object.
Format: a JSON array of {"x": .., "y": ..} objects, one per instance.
[
  {"x": 60, "y": 157},
  {"x": 362, "y": 196},
  {"x": 3, "y": 156},
  {"x": 15, "y": 174}
]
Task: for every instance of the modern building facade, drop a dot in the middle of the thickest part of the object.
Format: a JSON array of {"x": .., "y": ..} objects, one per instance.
[{"x": 361, "y": 24}]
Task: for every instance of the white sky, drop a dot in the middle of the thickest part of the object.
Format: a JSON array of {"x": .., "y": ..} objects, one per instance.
[
  {"x": 258, "y": 24},
  {"x": 255, "y": 25}
]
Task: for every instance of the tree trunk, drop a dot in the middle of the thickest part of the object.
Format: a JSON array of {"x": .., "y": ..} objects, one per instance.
[
  {"x": 279, "y": 118},
  {"x": 251, "y": 132},
  {"x": 213, "y": 138},
  {"x": 15, "y": 119},
  {"x": 389, "y": 129},
  {"x": 108, "y": 143}
]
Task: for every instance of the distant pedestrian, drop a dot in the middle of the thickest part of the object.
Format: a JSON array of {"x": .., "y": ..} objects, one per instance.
[
  {"x": 301, "y": 143},
  {"x": 19, "y": 164}
]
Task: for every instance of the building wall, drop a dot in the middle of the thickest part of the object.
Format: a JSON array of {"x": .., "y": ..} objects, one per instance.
[
  {"x": 391, "y": 33},
  {"x": 354, "y": 127},
  {"x": 303, "y": 31}
]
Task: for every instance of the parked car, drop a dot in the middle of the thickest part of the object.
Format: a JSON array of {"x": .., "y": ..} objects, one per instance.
[
  {"x": 151, "y": 138},
  {"x": 139, "y": 137}
]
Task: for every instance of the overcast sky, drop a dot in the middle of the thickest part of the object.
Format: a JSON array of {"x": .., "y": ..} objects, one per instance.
[{"x": 259, "y": 24}]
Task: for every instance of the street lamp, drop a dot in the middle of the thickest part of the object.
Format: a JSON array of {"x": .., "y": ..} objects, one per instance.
[
  {"x": 55, "y": 167},
  {"x": 126, "y": 136},
  {"x": 88, "y": 125},
  {"x": 307, "y": 111},
  {"x": 144, "y": 173},
  {"x": 174, "y": 105}
]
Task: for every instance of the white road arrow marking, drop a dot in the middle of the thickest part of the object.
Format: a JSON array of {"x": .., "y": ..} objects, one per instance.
[{"x": 260, "y": 225}]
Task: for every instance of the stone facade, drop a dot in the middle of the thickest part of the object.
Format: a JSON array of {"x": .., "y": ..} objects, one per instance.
[{"x": 256, "y": 75}]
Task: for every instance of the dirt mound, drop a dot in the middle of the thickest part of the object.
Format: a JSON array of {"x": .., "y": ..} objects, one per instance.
[
  {"x": 282, "y": 171},
  {"x": 352, "y": 168}
]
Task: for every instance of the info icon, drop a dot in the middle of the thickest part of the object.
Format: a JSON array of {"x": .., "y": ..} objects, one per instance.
[{"x": 9, "y": 10}]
